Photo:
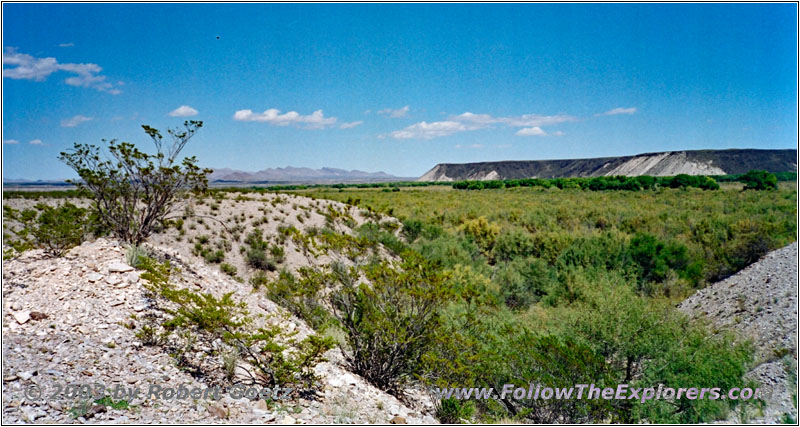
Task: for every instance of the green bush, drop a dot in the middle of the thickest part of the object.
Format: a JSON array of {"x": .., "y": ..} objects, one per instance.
[
  {"x": 392, "y": 322},
  {"x": 228, "y": 269},
  {"x": 258, "y": 259},
  {"x": 759, "y": 180},
  {"x": 301, "y": 295},
  {"x": 654, "y": 258},
  {"x": 482, "y": 232},
  {"x": 258, "y": 279},
  {"x": 266, "y": 349},
  {"x": 214, "y": 257},
  {"x": 54, "y": 229},
  {"x": 524, "y": 281},
  {"x": 512, "y": 244},
  {"x": 135, "y": 192},
  {"x": 453, "y": 411},
  {"x": 412, "y": 229}
]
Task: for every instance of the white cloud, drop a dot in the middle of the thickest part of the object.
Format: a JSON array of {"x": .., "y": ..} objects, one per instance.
[
  {"x": 471, "y": 121},
  {"x": 425, "y": 130},
  {"x": 469, "y": 146},
  {"x": 36, "y": 142},
  {"x": 183, "y": 111},
  {"x": 66, "y": 44},
  {"x": 351, "y": 124},
  {"x": 315, "y": 120},
  {"x": 400, "y": 112},
  {"x": 525, "y": 120},
  {"x": 557, "y": 133},
  {"x": 27, "y": 67},
  {"x": 534, "y": 120},
  {"x": 531, "y": 131},
  {"x": 478, "y": 119},
  {"x": 75, "y": 121},
  {"x": 616, "y": 111},
  {"x": 10, "y": 141}
]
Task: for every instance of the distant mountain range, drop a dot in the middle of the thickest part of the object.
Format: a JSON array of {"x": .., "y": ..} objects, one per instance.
[
  {"x": 692, "y": 162},
  {"x": 287, "y": 175},
  {"x": 299, "y": 175}
]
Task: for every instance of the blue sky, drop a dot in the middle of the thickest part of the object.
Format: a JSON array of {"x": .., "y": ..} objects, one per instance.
[{"x": 396, "y": 88}]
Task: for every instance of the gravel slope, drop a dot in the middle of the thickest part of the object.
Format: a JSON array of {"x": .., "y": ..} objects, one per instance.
[{"x": 760, "y": 304}]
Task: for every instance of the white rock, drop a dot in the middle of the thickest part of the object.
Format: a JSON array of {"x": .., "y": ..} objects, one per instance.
[
  {"x": 25, "y": 376},
  {"x": 31, "y": 414},
  {"x": 16, "y": 305},
  {"x": 349, "y": 379},
  {"x": 119, "y": 267},
  {"x": 113, "y": 280},
  {"x": 139, "y": 307},
  {"x": 21, "y": 316},
  {"x": 94, "y": 277},
  {"x": 288, "y": 420}
]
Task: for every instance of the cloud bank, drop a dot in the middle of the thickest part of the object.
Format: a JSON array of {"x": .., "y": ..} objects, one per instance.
[
  {"x": 531, "y": 124},
  {"x": 27, "y": 67},
  {"x": 315, "y": 120}
]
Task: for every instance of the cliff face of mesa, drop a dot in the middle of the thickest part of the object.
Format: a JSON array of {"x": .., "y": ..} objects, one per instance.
[{"x": 697, "y": 162}]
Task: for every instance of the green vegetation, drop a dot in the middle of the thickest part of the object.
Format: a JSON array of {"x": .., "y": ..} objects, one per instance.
[
  {"x": 602, "y": 183},
  {"x": 759, "y": 180},
  {"x": 54, "y": 229},
  {"x": 546, "y": 285},
  {"x": 135, "y": 192},
  {"x": 203, "y": 318}
]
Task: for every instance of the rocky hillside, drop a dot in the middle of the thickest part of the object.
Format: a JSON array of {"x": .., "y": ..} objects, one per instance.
[
  {"x": 78, "y": 320},
  {"x": 698, "y": 162},
  {"x": 760, "y": 304}
]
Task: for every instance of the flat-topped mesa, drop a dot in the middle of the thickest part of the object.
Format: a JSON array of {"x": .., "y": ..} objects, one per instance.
[{"x": 691, "y": 162}]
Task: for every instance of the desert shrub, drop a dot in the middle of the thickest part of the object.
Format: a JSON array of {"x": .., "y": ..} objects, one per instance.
[
  {"x": 228, "y": 269},
  {"x": 512, "y": 244},
  {"x": 214, "y": 257},
  {"x": 454, "y": 411},
  {"x": 412, "y": 229},
  {"x": 257, "y": 253},
  {"x": 258, "y": 279},
  {"x": 524, "y": 281},
  {"x": 528, "y": 358},
  {"x": 54, "y": 229},
  {"x": 390, "y": 323},
  {"x": 265, "y": 349},
  {"x": 606, "y": 250},
  {"x": 278, "y": 253},
  {"x": 654, "y": 258},
  {"x": 549, "y": 245},
  {"x": 258, "y": 259},
  {"x": 749, "y": 248},
  {"x": 449, "y": 250},
  {"x": 137, "y": 191},
  {"x": 135, "y": 255},
  {"x": 483, "y": 232},
  {"x": 759, "y": 180},
  {"x": 301, "y": 295},
  {"x": 664, "y": 347}
]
